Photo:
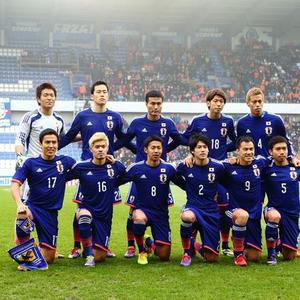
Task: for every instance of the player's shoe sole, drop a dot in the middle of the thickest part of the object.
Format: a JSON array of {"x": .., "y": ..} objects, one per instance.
[
  {"x": 186, "y": 260},
  {"x": 130, "y": 253},
  {"x": 240, "y": 261},
  {"x": 90, "y": 261},
  {"x": 272, "y": 260},
  {"x": 74, "y": 254}
]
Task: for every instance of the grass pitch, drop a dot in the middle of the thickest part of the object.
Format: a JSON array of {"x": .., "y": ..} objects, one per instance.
[{"x": 120, "y": 278}]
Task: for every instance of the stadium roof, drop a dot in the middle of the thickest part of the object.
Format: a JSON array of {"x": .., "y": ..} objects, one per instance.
[{"x": 175, "y": 15}]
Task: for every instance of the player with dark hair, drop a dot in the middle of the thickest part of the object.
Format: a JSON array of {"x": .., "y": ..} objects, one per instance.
[
  {"x": 244, "y": 184},
  {"x": 97, "y": 118},
  {"x": 46, "y": 176},
  {"x": 153, "y": 123},
  {"x": 220, "y": 130},
  {"x": 152, "y": 181},
  {"x": 282, "y": 210},
  {"x": 201, "y": 210}
]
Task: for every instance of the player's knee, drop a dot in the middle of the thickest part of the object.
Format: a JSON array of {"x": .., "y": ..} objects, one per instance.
[
  {"x": 82, "y": 212},
  {"x": 252, "y": 255},
  {"x": 210, "y": 256},
  {"x": 48, "y": 254},
  {"x": 273, "y": 215},
  {"x": 288, "y": 254},
  {"x": 163, "y": 252},
  {"x": 188, "y": 216},
  {"x": 240, "y": 217},
  {"x": 99, "y": 255},
  {"x": 139, "y": 216}
]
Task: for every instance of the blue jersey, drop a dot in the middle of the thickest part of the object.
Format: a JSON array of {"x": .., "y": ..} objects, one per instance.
[
  {"x": 262, "y": 129},
  {"x": 97, "y": 185},
  {"x": 141, "y": 128},
  {"x": 244, "y": 185},
  {"x": 202, "y": 184},
  {"x": 46, "y": 180},
  {"x": 87, "y": 123},
  {"x": 282, "y": 188},
  {"x": 219, "y": 131},
  {"x": 153, "y": 185}
]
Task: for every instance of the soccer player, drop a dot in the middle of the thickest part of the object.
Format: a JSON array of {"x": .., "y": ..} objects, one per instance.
[
  {"x": 259, "y": 124},
  {"x": 219, "y": 128},
  {"x": 152, "y": 180},
  {"x": 282, "y": 211},
  {"x": 98, "y": 181},
  {"x": 46, "y": 175},
  {"x": 201, "y": 209},
  {"x": 153, "y": 123},
  {"x": 34, "y": 122},
  {"x": 97, "y": 118},
  {"x": 244, "y": 184}
]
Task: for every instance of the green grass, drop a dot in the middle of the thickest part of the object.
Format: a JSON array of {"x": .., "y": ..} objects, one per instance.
[{"x": 121, "y": 278}]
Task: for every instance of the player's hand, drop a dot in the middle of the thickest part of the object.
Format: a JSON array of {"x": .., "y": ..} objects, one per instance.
[
  {"x": 20, "y": 160},
  {"x": 189, "y": 161},
  {"x": 233, "y": 160},
  {"x": 296, "y": 161},
  {"x": 21, "y": 209},
  {"x": 110, "y": 159}
]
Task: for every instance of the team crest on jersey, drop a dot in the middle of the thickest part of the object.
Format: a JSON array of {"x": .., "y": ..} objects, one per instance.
[
  {"x": 110, "y": 124},
  {"x": 293, "y": 175},
  {"x": 223, "y": 131},
  {"x": 256, "y": 171},
  {"x": 163, "y": 131},
  {"x": 163, "y": 170},
  {"x": 211, "y": 177},
  {"x": 163, "y": 178},
  {"x": 59, "y": 167},
  {"x": 110, "y": 173},
  {"x": 268, "y": 130}
]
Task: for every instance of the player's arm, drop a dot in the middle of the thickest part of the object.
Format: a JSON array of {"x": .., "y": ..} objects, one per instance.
[
  {"x": 15, "y": 191},
  {"x": 72, "y": 133},
  {"x": 124, "y": 139},
  {"x": 21, "y": 139},
  {"x": 184, "y": 139},
  {"x": 126, "y": 175},
  {"x": 177, "y": 177},
  {"x": 282, "y": 132},
  {"x": 232, "y": 136},
  {"x": 177, "y": 138}
]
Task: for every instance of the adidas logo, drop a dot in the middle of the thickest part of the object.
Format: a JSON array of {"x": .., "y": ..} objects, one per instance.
[
  {"x": 191, "y": 175},
  {"x": 248, "y": 131},
  {"x": 204, "y": 130},
  {"x": 39, "y": 170},
  {"x": 89, "y": 123},
  {"x": 234, "y": 173},
  {"x": 144, "y": 130},
  {"x": 89, "y": 173},
  {"x": 144, "y": 176},
  {"x": 273, "y": 174}
]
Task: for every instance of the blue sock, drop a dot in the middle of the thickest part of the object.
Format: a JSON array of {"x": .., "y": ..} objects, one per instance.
[
  {"x": 139, "y": 231},
  {"x": 85, "y": 231},
  {"x": 271, "y": 237},
  {"x": 186, "y": 230}
]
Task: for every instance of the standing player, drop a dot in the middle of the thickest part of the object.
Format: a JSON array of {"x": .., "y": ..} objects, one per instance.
[
  {"x": 152, "y": 180},
  {"x": 282, "y": 211},
  {"x": 98, "y": 181},
  {"x": 153, "y": 123},
  {"x": 244, "y": 184},
  {"x": 201, "y": 209},
  {"x": 46, "y": 175},
  {"x": 220, "y": 129},
  {"x": 34, "y": 122},
  {"x": 259, "y": 124},
  {"x": 97, "y": 118}
]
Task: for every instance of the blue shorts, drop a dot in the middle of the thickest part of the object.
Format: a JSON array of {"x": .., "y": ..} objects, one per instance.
[
  {"x": 46, "y": 224},
  {"x": 131, "y": 196},
  {"x": 160, "y": 227},
  {"x": 208, "y": 225},
  {"x": 77, "y": 198},
  {"x": 222, "y": 197},
  {"x": 253, "y": 232},
  {"x": 288, "y": 229}
]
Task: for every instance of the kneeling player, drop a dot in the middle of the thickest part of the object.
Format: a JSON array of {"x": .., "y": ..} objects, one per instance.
[
  {"x": 152, "y": 180},
  {"x": 98, "y": 180},
  {"x": 244, "y": 184},
  {"x": 282, "y": 211},
  {"x": 46, "y": 176},
  {"x": 201, "y": 210}
]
